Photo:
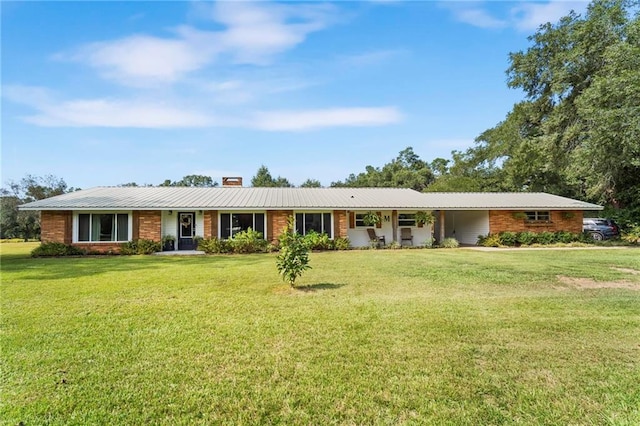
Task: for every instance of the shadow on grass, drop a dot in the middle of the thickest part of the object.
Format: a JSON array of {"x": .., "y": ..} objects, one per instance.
[
  {"x": 51, "y": 268},
  {"x": 319, "y": 287}
]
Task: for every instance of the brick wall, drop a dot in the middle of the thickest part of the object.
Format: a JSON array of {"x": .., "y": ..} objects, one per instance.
[
  {"x": 100, "y": 247},
  {"x": 147, "y": 225},
  {"x": 276, "y": 222},
  {"x": 503, "y": 220},
  {"x": 56, "y": 226},
  {"x": 340, "y": 224},
  {"x": 210, "y": 223}
]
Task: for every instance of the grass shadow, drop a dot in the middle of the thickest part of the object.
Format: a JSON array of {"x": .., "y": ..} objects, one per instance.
[
  {"x": 319, "y": 287},
  {"x": 71, "y": 267}
]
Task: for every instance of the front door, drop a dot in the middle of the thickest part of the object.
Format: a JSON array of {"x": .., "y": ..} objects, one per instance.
[{"x": 186, "y": 231}]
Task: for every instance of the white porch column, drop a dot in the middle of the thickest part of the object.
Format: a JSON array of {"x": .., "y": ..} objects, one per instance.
[{"x": 441, "y": 226}]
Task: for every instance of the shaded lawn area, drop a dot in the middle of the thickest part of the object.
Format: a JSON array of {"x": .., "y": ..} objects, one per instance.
[{"x": 374, "y": 337}]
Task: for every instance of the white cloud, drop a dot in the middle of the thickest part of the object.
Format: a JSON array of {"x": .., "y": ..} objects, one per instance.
[
  {"x": 51, "y": 112},
  {"x": 524, "y": 16},
  {"x": 27, "y": 95},
  {"x": 253, "y": 34},
  {"x": 373, "y": 57},
  {"x": 146, "y": 113},
  {"x": 529, "y": 16},
  {"x": 473, "y": 15},
  {"x": 116, "y": 113},
  {"x": 323, "y": 118},
  {"x": 143, "y": 60}
]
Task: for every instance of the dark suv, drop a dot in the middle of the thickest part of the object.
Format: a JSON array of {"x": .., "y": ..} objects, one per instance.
[{"x": 600, "y": 229}]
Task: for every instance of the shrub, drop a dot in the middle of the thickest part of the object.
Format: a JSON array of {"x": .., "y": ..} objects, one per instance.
[
  {"x": 428, "y": 243},
  {"x": 316, "y": 241},
  {"x": 449, "y": 243},
  {"x": 566, "y": 237},
  {"x": 632, "y": 235},
  {"x": 508, "y": 239},
  {"x": 546, "y": 238},
  {"x": 148, "y": 246},
  {"x": 56, "y": 249},
  {"x": 586, "y": 238},
  {"x": 394, "y": 245},
  {"x": 491, "y": 240},
  {"x": 129, "y": 248},
  {"x": 249, "y": 241},
  {"x": 214, "y": 246},
  {"x": 273, "y": 247},
  {"x": 140, "y": 246},
  {"x": 342, "y": 243},
  {"x": 293, "y": 258},
  {"x": 527, "y": 238}
]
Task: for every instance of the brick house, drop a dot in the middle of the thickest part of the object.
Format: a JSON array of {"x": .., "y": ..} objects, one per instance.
[{"x": 102, "y": 218}]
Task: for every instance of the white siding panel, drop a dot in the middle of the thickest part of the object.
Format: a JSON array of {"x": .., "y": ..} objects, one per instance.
[
  {"x": 421, "y": 236},
  {"x": 465, "y": 226},
  {"x": 169, "y": 223}
]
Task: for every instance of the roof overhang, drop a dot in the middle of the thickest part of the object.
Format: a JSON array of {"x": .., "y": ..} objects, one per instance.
[{"x": 299, "y": 199}]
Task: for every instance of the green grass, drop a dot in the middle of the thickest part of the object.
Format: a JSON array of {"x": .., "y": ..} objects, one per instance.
[{"x": 373, "y": 337}]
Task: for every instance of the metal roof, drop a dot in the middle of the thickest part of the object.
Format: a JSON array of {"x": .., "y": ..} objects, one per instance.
[
  {"x": 237, "y": 198},
  {"x": 164, "y": 198},
  {"x": 504, "y": 201}
]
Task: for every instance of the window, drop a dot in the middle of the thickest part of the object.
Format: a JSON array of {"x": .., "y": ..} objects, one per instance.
[
  {"x": 232, "y": 223},
  {"x": 538, "y": 216},
  {"x": 360, "y": 220},
  {"x": 319, "y": 222},
  {"x": 103, "y": 227},
  {"x": 407, "y": 219}
]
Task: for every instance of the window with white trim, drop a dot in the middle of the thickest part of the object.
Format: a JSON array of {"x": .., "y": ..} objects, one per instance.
[
  {"x": 103, "y": 227},
  {"x": 538, "y": 216},
  {"x": 359, "y": 219},
  {"x": 406, "y": 219},
  {"x": 318, "y": 222},
  {"x": 233, "y": 223}
]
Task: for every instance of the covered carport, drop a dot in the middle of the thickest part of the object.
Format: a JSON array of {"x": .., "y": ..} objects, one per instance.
[{"x": 463, "y": 225}]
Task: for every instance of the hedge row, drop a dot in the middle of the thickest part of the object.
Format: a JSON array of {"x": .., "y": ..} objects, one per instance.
[
  {"x": 251, "y": 241},
  {"x": 526, "y": 238},
  {"x": 59, "y": 249}
]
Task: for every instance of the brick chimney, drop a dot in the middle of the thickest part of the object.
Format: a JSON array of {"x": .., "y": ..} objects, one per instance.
[{"x": 231, "y": 181}]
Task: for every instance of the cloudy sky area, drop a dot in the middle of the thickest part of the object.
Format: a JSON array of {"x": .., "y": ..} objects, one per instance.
[{"x": 103, "y": 93}]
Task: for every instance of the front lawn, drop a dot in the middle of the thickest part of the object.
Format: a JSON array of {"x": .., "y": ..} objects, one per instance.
[{"x": 373, "y": 337}]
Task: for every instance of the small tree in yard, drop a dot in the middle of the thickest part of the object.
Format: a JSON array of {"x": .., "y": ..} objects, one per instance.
[{"x": 293, "y": 258}]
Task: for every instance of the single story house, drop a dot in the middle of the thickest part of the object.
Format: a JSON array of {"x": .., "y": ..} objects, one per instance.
[{"x": 102, "y": 218}]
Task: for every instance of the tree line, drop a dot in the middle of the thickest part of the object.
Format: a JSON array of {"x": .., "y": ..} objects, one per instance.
[{"x": 576, "y": 133}]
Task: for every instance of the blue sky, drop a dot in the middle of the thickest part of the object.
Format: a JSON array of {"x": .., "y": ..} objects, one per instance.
[{"x": 105, "y": 93}]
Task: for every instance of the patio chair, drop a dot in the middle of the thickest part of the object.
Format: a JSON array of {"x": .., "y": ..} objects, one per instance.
[
  {"x": 373, "y": 237},
  {"x": 405, "y": 235}
]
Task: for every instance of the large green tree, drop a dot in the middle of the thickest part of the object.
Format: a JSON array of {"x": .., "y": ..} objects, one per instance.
[
  {"x": 311, "y": 183},
  {"x": 461, "y": 174},
  {"x": 194, "y": 181},
  {"x": 264, "y": 179},
  {"x": 407, "y": 170},
  {"x": 26, "y": 224},
  {"x": 577, "y": 131}
]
